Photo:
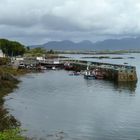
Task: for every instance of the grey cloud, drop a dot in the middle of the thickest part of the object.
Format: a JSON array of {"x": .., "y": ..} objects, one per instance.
[
  {"x": 59, "y": 23},
  {"x": 18, "y": 22},
  {"x": 35, "y": 21}
]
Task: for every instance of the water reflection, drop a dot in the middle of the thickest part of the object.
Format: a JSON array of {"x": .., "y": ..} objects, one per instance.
[
  {"x": 70, "y": 107},
  {"x": 126, "y": 86},
  {"x": 129, "y": 87}
]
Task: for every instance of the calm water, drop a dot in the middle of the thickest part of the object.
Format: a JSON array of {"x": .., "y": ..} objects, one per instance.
[{"x": 55, "y": 106}]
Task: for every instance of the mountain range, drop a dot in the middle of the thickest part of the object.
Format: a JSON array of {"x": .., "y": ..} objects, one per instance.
[{"x": 109, "y": 44}]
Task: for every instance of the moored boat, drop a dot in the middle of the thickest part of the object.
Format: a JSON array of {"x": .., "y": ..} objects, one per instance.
[
  {"x": 74, "y": 73},
  {"x": 89, "y": 75},
  {"x": 98, "y": 73},
  {"x": 100, "y": 77}
]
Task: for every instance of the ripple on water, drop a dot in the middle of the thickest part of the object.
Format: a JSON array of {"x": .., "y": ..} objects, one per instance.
[{"x": 54, "y": 105}]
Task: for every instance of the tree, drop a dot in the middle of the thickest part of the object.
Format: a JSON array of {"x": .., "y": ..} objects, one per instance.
[{"x": 11, "y": 48}]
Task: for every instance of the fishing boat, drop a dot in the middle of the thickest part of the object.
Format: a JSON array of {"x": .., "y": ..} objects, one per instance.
[
  {"x": 89, "y": 75},
  {"x": 99, "y": 75},
  {"x": 54, "y": 68},
  {"x": 68, "y": 66}
]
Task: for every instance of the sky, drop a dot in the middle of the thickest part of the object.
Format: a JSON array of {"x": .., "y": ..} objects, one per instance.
[{"x": 39, "y": 21}]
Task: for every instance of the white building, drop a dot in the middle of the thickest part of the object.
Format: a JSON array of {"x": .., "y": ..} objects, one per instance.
[
  {"x": 1, "y": 53},
  {"x": 19, "y": 58},
  {"x": 40, "y": 58}
]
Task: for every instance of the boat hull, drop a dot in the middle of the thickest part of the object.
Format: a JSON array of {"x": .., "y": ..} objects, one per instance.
[{"x": 90, "y": 77}]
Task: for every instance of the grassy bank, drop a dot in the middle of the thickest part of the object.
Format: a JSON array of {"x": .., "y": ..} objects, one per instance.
[
  {"x": 12, "y": 134},
  {"x": 9, "y": 126},
  {"x": 9, "y": 80}
]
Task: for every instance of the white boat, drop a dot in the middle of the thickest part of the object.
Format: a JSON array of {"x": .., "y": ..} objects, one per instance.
[
  {"x": 53, "y": 68},
  {"x": 74, "y": 73},
  {"x": 89, "y": 75}
]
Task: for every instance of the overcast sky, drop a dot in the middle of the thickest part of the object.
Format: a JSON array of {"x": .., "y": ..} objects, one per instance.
[{"x": 39, "y": 21}]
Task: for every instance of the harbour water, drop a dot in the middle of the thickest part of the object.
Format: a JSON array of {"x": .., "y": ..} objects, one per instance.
[{"x": 55, "y": 106}]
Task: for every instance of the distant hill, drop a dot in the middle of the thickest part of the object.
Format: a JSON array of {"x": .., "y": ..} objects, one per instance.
[
  {"x": 118, "y": 44},
  {"x": 110, "y": 44},
  {"x": 67, "y": 45}
]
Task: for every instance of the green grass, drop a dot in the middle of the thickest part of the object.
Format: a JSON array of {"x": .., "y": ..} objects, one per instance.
[{"x": 12, "y": 134}]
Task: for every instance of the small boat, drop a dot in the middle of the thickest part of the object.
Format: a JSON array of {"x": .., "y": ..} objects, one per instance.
[
  {"x": 125, "y": 63},
  {"x": 74, "y": 74},
  {"x": 98, "y": 73},
  {"x": 100, "y": 77},
  {"x": 68, "y": 66},
  {"x": 53, "y": 68},
  {"x": 89, "y": 75},
  {"x": 43, "y": 68}
]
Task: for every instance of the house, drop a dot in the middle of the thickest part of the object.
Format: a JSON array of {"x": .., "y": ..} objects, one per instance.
[
  {"x": 1, "y": 53},
  {"x": 19, "y": 58},
  {"x": 40, "y": 58}
]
